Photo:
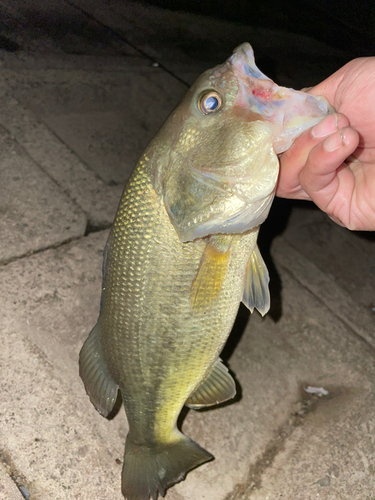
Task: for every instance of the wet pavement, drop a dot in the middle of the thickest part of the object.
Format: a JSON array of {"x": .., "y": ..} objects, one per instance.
[{"x": 83, "y": 87}]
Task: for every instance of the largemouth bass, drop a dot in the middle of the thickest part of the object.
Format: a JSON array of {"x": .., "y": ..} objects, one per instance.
[{"x": 180, "y": 258}]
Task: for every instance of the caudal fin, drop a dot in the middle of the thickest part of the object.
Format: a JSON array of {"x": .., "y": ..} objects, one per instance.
[{"x": 150, "y": 470}]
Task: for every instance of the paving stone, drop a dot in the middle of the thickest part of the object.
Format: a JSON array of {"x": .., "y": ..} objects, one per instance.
[
  {"x": 346, "y": 257},
  {"x": 108, "y": 120},
  {"x": 48, "y": 428},
  {"x": 53, "y": 26},
  {"x": 324, "y": 448},
  {"x": 83, "y": 187},
  {"x": 330, "y": 456},
  {"x": 35, "y": 213},
  {"x": 87, "y": 128},
  {"x": 336, "y": 298},
  {"x": 188, "y": 44},
  {"x": 22, "y": 61},
  {"x": 328, "y": 451}
]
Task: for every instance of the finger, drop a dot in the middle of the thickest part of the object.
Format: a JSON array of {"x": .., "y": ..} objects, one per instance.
[
  {"x": 299, "y": 151},
  {"x": 319, "y": 176},
  {"x": 294, "y": 159}
]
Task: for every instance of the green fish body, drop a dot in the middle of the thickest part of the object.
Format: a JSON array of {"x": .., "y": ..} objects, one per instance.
[{"x": 180, "y": 258}]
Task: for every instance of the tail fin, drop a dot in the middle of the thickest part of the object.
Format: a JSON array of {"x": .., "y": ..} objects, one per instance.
[{"x": 150, "y": 470}]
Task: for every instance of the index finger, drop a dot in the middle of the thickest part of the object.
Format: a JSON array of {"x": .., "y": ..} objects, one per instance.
[{"x": 295, "y": 158}]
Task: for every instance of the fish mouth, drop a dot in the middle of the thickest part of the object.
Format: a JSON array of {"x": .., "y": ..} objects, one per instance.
[{"x": 290, "y": 111}]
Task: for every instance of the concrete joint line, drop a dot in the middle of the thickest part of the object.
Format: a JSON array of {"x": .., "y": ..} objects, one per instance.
[
  {"x": 123, "y": 39},
  {"x": 41, "y": 250},
  {"x": 38, "y": 165},
  {"x": 94, "y": 199},
  {"x": 13, "y": 473},
  {"x": 328, "y": 293},
  {"x": 306, "y": 404}
]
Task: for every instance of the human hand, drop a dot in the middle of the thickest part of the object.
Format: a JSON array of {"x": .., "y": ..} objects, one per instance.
[{"x": 333, "y": 164}]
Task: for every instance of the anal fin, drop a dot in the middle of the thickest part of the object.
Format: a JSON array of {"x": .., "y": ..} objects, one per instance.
[
  {"x": 218, "y": 387},
  {"x": 99, "y": 385},
  {"x": 256, "y": 294}
]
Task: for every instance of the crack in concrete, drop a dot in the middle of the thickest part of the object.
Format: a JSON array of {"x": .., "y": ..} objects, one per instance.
[
  {"x": 89, "y": 229},
  {"x": 40, "y": 250},
  {"x": 92, "y": 228},
  {"x": 306, "y": 404},
  {"x": 15, "y": 475}
]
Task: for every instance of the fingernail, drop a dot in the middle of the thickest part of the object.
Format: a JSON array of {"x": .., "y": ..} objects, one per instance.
[
  {"x": 333, "y": 142},
  {"x": 325, "y": 127}
]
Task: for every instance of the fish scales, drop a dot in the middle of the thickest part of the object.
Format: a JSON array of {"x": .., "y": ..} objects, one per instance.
[
  {"x": 180, "y": 257},
  {"x": 154, "y": 295}
]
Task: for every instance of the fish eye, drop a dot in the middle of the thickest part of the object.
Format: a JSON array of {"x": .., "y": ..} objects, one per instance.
[{"x": 209, "y": 102}]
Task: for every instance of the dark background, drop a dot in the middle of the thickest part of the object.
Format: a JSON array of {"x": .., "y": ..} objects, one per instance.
[{"x": 345, "y": 24}]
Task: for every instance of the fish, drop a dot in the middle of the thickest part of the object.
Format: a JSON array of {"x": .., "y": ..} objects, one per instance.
[{"x": 181, "y": 256}]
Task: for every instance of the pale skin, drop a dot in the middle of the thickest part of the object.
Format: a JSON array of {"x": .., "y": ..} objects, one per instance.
[{"x": 333, "y": 164}]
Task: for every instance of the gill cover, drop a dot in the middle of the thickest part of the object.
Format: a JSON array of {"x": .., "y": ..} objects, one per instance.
[{"x": 225, "y": 184}]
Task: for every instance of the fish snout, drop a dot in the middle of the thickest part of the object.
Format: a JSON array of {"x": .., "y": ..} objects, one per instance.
[{"x": 290, "y": 112}]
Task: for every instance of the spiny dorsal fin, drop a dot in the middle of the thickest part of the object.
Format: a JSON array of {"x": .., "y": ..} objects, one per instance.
[
  {"x": 256, "y": 293},
  {"x": 211, "y": 273},
  {"x": 98, "y": 383},
  {"x": 218, "y": 387}
]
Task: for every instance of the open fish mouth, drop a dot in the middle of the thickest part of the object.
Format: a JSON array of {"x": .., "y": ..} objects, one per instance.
[{"x": 290, "y": 111}]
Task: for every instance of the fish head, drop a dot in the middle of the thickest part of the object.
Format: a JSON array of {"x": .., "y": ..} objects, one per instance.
[{"x": 217, "y": 165}]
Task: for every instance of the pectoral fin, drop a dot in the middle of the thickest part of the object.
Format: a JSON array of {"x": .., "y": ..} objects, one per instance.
[
  {"x": 256, "y": 293},
  {"x": 98, "y": 382},
  {"x": 211, "y": 273},
  {"x": 218, "y": 387}
]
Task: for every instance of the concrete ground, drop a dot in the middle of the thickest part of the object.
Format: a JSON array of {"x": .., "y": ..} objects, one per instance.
[{"x": 84, "y": 85}]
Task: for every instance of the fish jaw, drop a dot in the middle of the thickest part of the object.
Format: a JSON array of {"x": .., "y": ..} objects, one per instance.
[{"x": 291, "y": 112}]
